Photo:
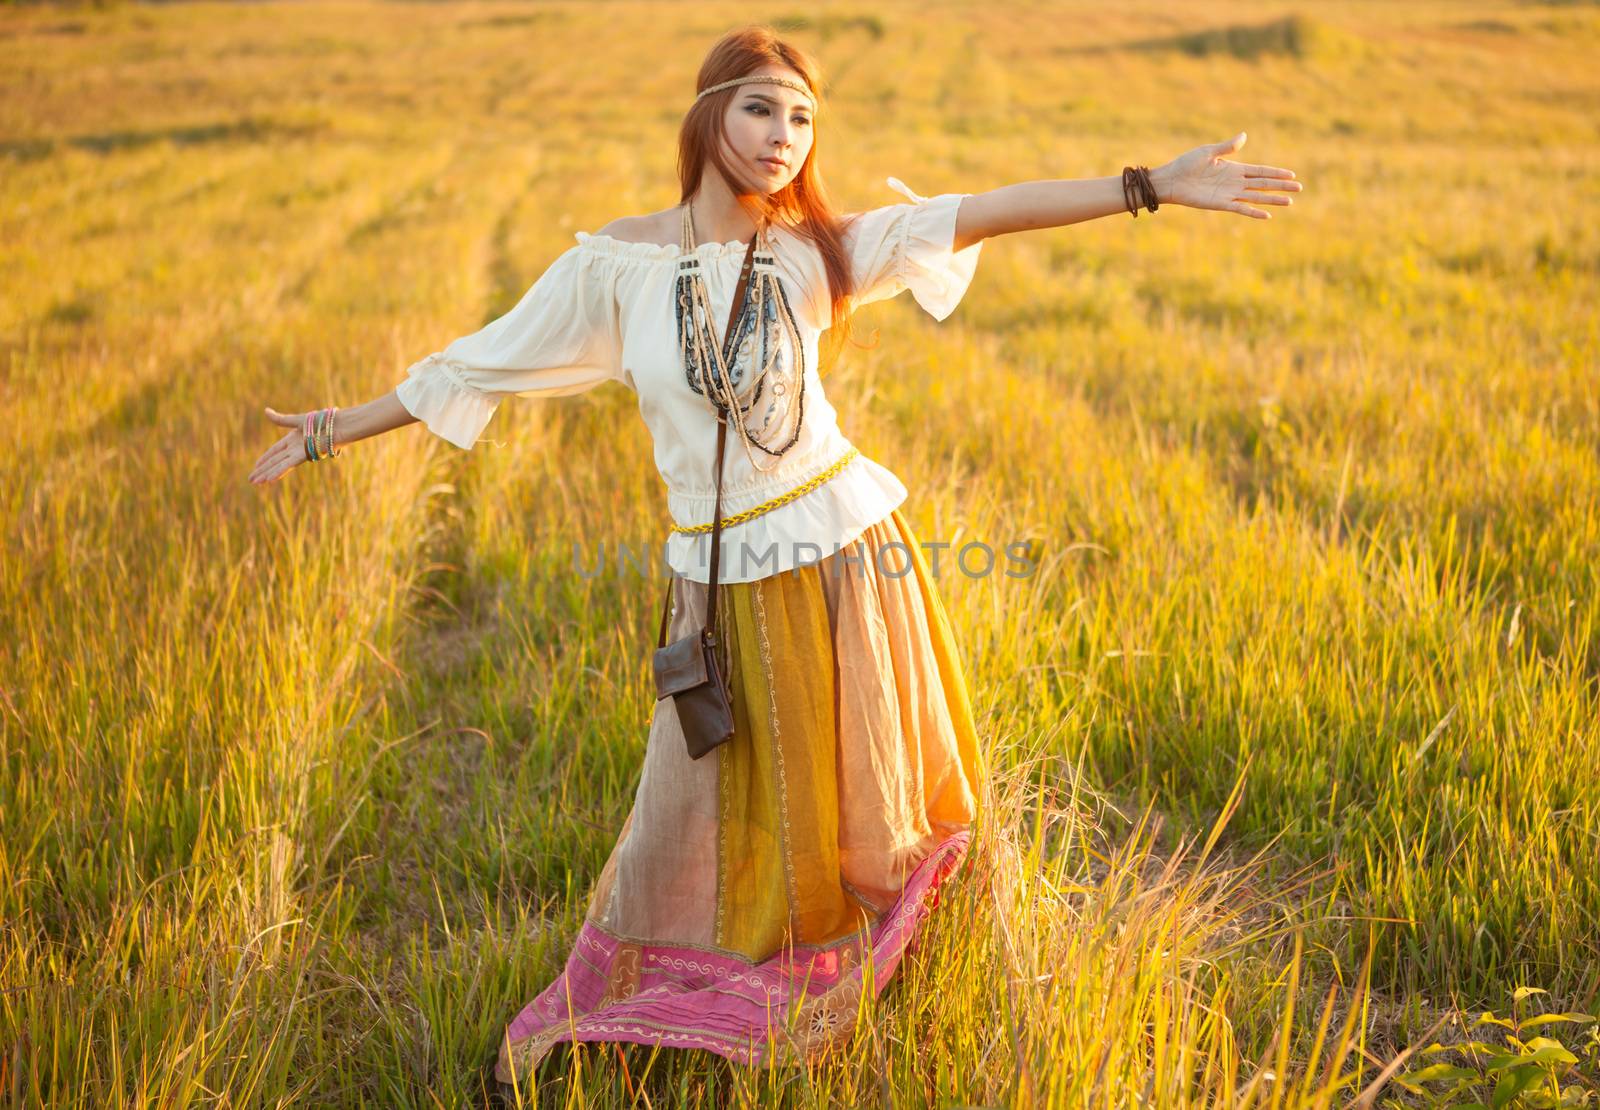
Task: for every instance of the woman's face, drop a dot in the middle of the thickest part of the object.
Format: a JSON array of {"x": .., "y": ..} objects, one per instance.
[{"x": 769, "y": 130}]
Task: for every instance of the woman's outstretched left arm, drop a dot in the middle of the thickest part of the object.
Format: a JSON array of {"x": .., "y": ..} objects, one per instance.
[{"x": 1201, "y": 178}]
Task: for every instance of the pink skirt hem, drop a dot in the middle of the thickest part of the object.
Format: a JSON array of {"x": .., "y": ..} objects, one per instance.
[{"x": 615, "y": 989}]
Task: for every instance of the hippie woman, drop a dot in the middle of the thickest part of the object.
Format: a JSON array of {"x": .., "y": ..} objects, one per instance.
[{"x": 812, "y": 767}]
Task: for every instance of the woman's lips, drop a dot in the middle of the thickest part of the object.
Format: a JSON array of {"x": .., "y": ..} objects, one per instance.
[{"x": 772, "y": 164}]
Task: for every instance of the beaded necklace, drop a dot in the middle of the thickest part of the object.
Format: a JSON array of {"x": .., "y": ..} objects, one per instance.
[{"x": 715, "y": 370}]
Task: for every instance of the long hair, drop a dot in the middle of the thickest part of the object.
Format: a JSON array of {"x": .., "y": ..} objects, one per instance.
[{"x": 803, "y": 205}]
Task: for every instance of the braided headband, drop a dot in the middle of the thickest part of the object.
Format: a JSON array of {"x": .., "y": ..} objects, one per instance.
[{"x": 798, "y": 86}]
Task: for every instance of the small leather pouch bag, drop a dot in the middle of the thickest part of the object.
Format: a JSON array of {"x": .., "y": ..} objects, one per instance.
[{"x": 687, "y": 670}]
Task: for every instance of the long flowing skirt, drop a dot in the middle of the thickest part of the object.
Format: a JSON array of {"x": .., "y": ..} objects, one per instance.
[{"x": 755, "y": 893}]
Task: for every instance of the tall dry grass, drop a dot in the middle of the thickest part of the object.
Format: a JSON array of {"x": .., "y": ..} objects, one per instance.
[{"x": 1294, "y": 731}]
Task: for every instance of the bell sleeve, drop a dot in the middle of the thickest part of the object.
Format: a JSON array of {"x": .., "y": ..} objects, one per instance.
[
  {"x": 561, "y": 338},
  {"x": 908, "y": 246}
]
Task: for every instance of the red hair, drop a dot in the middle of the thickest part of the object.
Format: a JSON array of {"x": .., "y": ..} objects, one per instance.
[{"x": 802, "y": 206}]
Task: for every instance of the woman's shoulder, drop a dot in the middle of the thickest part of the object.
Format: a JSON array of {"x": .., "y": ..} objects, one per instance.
[
  {"x": 636, "y": 239},
  {"x": 640, "y": 238},
  {"x": 650, "y": 228}
]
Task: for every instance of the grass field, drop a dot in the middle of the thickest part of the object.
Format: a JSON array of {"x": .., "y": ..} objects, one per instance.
[{"x": 1297, "y": 726}]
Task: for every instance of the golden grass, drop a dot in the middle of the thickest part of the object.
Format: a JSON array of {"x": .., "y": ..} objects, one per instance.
[{"x": 1294, "y": 732}]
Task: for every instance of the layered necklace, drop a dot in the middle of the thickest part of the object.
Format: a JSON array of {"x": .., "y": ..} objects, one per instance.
[{"x": 750, "y": 365}]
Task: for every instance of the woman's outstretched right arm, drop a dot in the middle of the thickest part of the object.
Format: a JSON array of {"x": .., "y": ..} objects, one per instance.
[
  {"x": 562, "y": 337},
  {"x": 369, "y": 419}
]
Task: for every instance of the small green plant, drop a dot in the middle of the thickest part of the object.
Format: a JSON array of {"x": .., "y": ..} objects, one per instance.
[{"x": 1529, "y": 1070}]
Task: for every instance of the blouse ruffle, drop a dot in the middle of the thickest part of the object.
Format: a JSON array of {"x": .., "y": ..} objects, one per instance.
[
  {"x": 622, "y": 248},
  {"x": 436, "y": 393},
  {"x": 908, "y": 246}
]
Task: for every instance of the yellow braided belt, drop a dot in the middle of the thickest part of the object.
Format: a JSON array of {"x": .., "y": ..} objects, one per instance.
[{"x": 782, "y": 499}]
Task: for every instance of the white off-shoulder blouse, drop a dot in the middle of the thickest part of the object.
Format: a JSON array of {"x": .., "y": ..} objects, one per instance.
[{"x": 603, "y": 311}]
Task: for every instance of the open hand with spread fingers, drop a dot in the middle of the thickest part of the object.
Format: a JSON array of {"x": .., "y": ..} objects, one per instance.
[
  {"x": 1204, "y": 178},
  {"x": 286, "y": 453}
]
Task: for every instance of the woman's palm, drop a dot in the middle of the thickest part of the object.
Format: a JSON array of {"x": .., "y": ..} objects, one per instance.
[
  {"x": 285, "y": 454},
  {"x": 1204, "y": 178}
]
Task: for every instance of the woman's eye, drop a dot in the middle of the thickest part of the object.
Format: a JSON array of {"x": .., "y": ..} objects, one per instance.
[{"x": 760, "y": 108}]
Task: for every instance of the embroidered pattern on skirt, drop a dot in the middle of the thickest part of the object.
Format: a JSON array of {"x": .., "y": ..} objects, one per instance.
[
  {"x": 777, "y": 751},
  {"x": 818, "y": 1022}
]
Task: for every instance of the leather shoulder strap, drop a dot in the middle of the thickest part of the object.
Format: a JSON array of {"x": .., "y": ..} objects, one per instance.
[
  {"x": 722, "y": 437},
  {"x": 722, "y": 433}
]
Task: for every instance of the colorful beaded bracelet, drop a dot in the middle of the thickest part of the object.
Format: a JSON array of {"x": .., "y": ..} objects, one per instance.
[{"x": 319, "y": 434}]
